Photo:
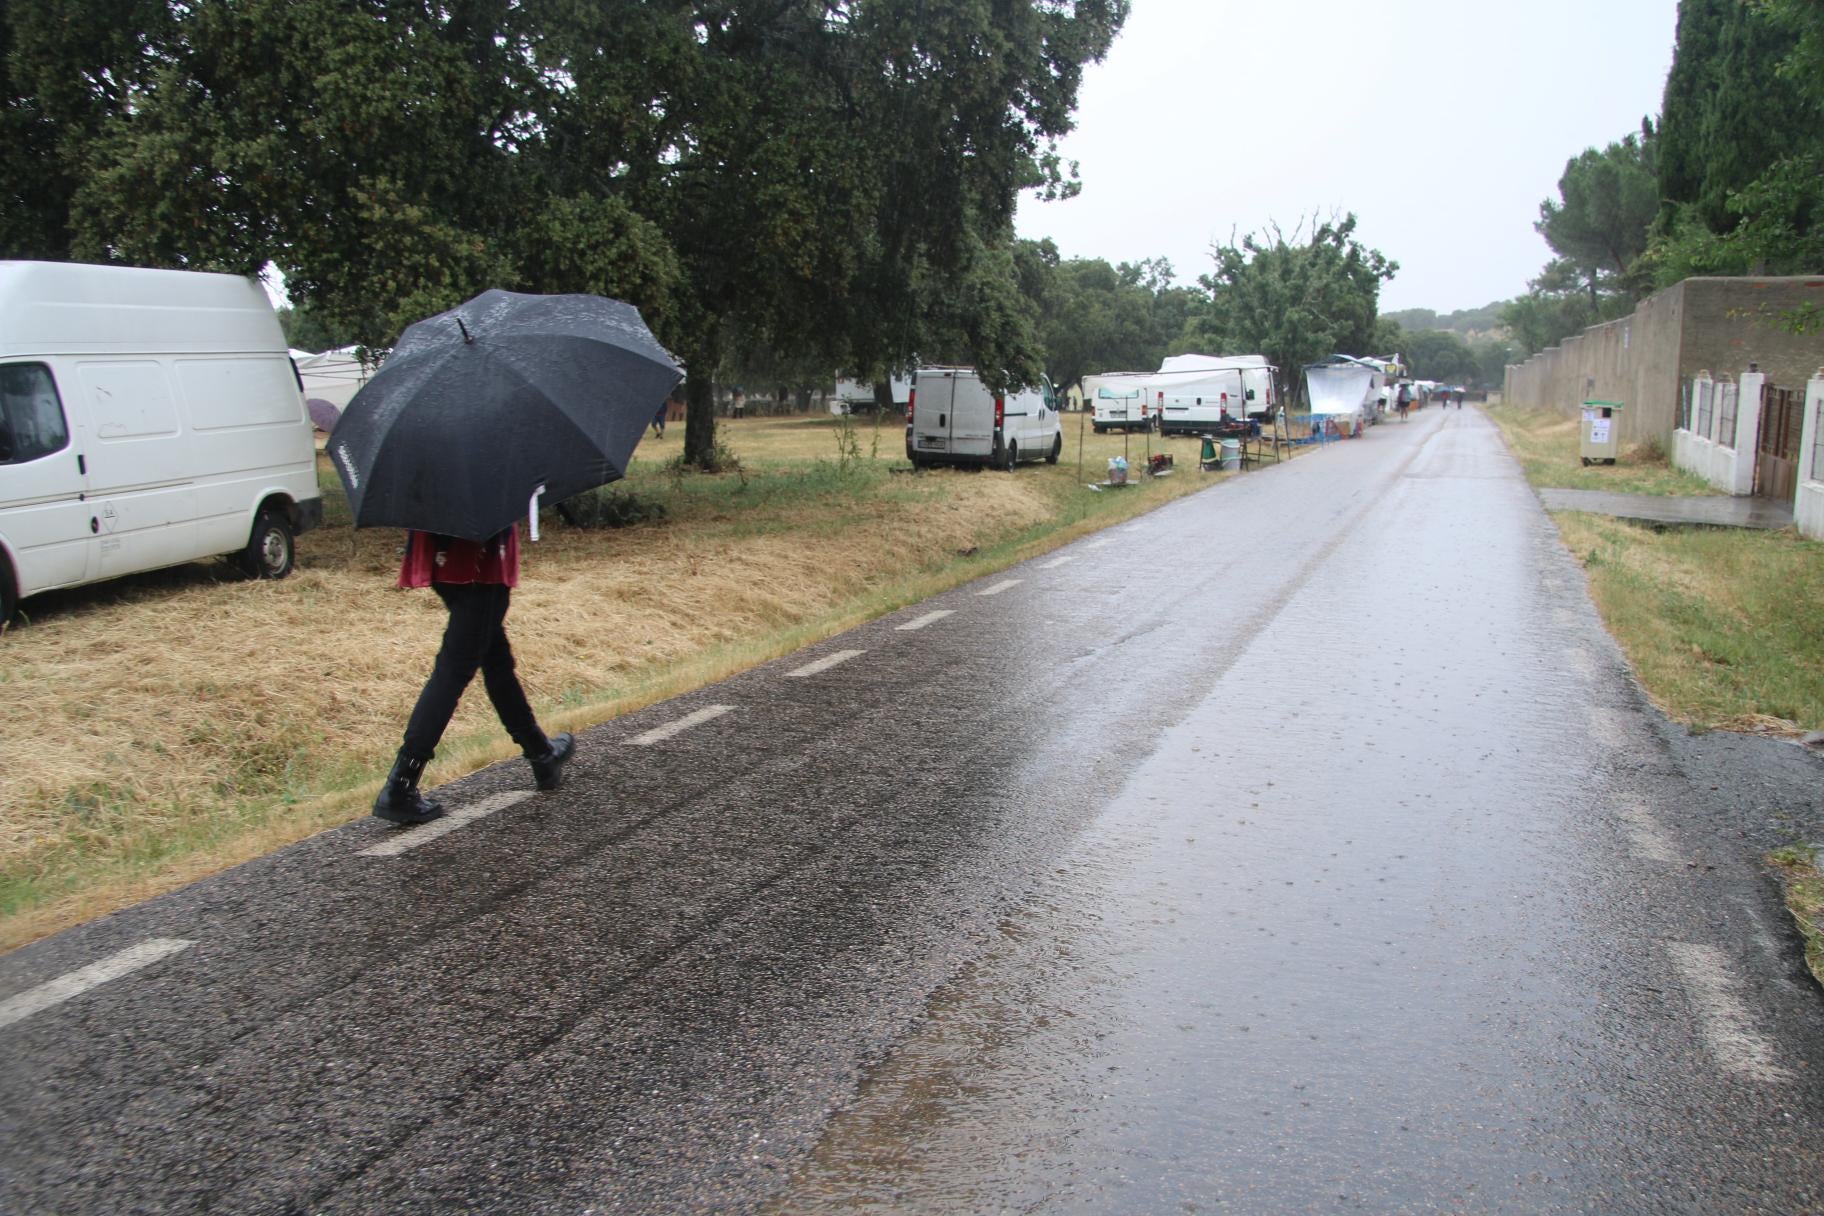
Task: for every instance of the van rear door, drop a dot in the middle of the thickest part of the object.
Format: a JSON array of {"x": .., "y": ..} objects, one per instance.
[
  {"x": 971, "y": 417},
  {"x": 931, "y": 411}
]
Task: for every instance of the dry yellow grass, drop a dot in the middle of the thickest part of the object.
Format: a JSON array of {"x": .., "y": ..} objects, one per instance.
[{"x": 160, "y": 728}]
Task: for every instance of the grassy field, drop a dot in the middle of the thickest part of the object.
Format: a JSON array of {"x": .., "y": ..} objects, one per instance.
[
  {"x": 159, "y": 728},
  {"x": 1545, "y": 443}
]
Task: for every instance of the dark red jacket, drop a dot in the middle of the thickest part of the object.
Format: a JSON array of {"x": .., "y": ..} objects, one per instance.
[{"x": 430, "y": 558}]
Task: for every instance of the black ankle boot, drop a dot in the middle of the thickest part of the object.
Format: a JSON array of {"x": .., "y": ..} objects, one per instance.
[
  {"x": 399, "y": 800},
  {"x": 548, "y": 769}
]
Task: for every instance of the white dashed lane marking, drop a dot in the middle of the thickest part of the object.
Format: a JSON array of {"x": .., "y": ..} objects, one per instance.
[
  {"x": 661, "y": 733},
  {"x": 825, "y": 663},
  {"x": 411, "y": 838},
  {"x": 1098, "y": 544},
  {"x": 930, "y": 618},
  {"x": 1055, "y": 562},
  {"x": 1723, "y": 1018},
  {"x": 1000, "y": 587},
  {"x": 61, "y": 989}
]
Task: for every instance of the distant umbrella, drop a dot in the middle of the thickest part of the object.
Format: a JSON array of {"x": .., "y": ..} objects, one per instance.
[
  {"x": 323, "y": 414},
  {"x": 478, "y": 408}
]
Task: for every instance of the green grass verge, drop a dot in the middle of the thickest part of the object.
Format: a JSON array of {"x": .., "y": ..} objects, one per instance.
[
  {"x": 1545, "y": 443},
  {"x": 1797, "y": 867}
]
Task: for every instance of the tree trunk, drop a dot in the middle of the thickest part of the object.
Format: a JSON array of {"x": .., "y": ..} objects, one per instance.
[
  {"x": 700, "y": 405},
  {"x": 883, "y": 396}
]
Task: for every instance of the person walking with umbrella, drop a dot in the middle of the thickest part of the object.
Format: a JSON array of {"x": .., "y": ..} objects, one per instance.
[
  {"x": 475, "y": 583},
  {"x": 476, "y": 414}
]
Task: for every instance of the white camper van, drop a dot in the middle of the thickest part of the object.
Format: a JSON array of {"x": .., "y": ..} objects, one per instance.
[
  {"x": 952, "y": 418},
  {"x": 147, "y": 418},
  {"x": 1120, "y": 400},
  {"x": 1194, "y": 393}
]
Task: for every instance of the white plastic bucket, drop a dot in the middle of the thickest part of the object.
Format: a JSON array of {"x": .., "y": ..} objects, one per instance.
[{"x": 1231, "y": 453}]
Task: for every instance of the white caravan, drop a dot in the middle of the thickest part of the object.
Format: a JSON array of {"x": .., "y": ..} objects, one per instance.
[
  {"x": 147, "y": 418},
  {"x": 1344, "y": 386},
  {"x": 952, "y": 418},
  {"x": 1120, "y": 400},
  {"x": 852, "y": 395},
  {"x": 1193, "y": 393}
]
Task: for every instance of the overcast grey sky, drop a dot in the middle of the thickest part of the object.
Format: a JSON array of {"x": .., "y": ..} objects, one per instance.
[{"x": 1441, "y": 123}]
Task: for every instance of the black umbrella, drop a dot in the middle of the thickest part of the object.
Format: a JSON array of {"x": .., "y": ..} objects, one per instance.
[{"x": 479, "y": 407}]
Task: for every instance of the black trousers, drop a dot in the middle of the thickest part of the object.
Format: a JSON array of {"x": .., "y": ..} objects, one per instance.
[{"x": 475, "y": 639}]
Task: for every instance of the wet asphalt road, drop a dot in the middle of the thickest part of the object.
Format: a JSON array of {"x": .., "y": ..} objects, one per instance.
[{"x": 1301, "y": 846}]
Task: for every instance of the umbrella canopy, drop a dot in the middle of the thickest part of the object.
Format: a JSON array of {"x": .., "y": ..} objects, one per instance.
[
  {"x": 323, "y": 414},
  {"x": 478, "y": 407}
]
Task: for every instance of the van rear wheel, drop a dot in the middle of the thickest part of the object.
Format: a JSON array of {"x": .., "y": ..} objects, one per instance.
[
  {"x": 1013, "y": 456},
  {"x": 270, "y": 551},
  {"x": 8, "y": 601}
]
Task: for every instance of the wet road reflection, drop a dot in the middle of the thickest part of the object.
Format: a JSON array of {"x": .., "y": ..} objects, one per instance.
[{"x": 1357, "y": 933}]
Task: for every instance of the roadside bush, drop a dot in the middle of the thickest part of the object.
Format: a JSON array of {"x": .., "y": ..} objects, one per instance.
[{"x": 608, "y": 507}]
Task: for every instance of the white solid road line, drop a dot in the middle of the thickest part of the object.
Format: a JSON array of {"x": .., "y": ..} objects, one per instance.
[
  {"x": 930, "y": 618},
  {"x": 661, "y": 733},
  {"x": 825, "y": 663},
  {"x": 1055, "y": 562},
  {"x": 411, "y": 838},
  {"x": 1000, "y": 587},
  {"x": 61, "y": 989},
  {"x": 1723, "y": 1019}
]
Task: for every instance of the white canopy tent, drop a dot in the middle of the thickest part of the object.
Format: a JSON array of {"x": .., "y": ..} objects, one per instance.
[{"x": 333, "y": 376}]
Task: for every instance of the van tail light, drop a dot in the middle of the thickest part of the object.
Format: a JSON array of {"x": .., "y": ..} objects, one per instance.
[
  {"x": 1000, "y": 412},
  {"x": 911, "y": 400}
]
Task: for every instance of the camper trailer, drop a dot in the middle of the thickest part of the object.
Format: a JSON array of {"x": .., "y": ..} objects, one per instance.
[
  {"x": 147, "y": 418},
  {"x": 857, "y": 396}
]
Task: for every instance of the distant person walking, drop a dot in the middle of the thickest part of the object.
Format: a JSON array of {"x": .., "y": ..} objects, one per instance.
[
  {"x": 658, "y": 419},
  {"x": 475, "y": 583},
  {"x": 1403, "y": 400},
  {"x": 737, "y": 404}
]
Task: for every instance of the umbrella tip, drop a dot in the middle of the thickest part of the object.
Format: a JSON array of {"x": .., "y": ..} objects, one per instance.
[{"x": 466, "y": 335}]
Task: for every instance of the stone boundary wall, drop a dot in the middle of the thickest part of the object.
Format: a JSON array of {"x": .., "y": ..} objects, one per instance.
[{"x": 1719, "y": 325}]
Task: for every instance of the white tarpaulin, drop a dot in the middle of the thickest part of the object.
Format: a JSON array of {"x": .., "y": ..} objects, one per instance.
[{"x": 1345, "y": 385}]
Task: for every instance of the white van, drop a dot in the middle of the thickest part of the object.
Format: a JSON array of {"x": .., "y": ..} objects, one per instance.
[
  {"x": 147, "y": 418},
  {"x": 1193, "y": 393},
  {"x": 952, "y": 418},
  {"x": 1120, "y": 400}
]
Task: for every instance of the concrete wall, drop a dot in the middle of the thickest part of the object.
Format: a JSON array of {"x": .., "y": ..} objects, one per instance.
[
  {"x": 1808, "y": 503},
  {"x": 1713, "y": 324}
]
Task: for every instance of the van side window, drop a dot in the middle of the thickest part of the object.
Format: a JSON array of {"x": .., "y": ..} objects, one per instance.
[{"x": 31, "y": 416}]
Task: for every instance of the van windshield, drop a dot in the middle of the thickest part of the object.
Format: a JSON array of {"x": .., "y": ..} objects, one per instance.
[{"x": 31, "y": 417}]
